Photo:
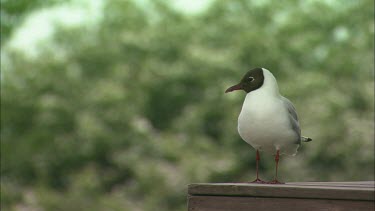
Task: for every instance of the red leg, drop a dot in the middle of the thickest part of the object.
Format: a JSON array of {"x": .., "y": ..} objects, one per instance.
[
  {"x": 257, "y": 180},
  {"x": 277, "y": 158}
]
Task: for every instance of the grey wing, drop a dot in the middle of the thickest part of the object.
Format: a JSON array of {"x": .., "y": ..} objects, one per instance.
[{"x": 293, "y": 118}]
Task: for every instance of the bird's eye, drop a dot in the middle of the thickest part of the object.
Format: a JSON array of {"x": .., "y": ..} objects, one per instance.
[{"x": 251, "y": 79}]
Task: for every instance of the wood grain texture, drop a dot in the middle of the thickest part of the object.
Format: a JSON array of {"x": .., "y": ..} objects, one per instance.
[
  {"x": 343, "y": 191},
  {"x": 306, "y": 196},
  {"x": 225, "y": 203}
]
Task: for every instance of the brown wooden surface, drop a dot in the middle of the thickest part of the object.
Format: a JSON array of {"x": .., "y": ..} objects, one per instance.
[
  {"x": 225, "y": 203},
  {"x": 291, "y": 196},
  {"x": 318, "y": 190}
]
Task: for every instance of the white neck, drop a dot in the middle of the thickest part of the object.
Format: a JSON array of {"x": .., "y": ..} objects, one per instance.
[{"x": 269, "y": 85}]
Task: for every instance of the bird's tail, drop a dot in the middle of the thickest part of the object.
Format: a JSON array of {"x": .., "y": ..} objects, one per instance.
[{"x": 305, "y": 139}]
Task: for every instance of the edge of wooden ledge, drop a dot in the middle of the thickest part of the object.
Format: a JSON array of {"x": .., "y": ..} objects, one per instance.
[{"x": 361, "y": 190}]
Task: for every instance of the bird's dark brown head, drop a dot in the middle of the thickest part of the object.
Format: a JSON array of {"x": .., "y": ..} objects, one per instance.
[{"x": 251, "y": 81}]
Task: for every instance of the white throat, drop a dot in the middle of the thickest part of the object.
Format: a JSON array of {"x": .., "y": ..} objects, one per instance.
[{"x": 269, "y": 86}]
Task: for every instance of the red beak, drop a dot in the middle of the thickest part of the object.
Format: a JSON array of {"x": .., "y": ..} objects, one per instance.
[{"x": 233, "y": 88}]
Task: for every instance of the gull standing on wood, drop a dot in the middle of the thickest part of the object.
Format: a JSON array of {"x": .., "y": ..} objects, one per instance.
[{"x": 268, "y": 121}]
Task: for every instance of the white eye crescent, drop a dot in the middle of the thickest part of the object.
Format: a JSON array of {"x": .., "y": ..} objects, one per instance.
[{"x": 251, "y": 79}]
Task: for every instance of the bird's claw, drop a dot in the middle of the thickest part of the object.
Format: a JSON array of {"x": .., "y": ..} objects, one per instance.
[
  {"x": 258, "y": 181},
  {"x": 275, "y": 181}
]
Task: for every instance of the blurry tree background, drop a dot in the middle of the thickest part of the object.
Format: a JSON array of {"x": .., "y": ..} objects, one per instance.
[{"x": 120, "y": 104}]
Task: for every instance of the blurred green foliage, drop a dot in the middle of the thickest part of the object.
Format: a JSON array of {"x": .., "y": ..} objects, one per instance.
[
  {"x": 124, "y": 113},
  {"x": 14, "y": 12}
]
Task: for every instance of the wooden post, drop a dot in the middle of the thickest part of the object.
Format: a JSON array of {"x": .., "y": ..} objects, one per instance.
[{"x": 306, "y": 196}]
